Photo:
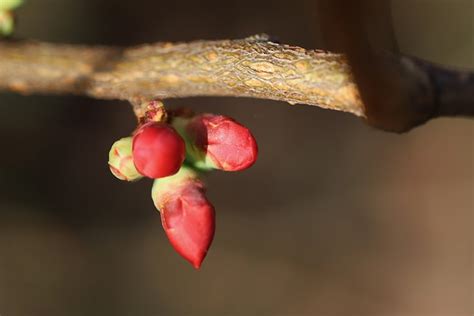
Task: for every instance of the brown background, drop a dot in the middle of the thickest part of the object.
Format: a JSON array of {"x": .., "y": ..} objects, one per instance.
[{"x": 336, "y": 218}]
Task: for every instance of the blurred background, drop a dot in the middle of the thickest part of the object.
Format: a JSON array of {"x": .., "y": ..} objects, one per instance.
[{"x": 335, "y": 218}]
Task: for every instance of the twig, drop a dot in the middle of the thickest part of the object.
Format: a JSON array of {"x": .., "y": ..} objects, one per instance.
[
  {"x": 252, "y": 67},
  {"x": 415, "y": 90}
]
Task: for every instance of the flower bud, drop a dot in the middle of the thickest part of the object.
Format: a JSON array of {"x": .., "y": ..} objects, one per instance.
[
  {"x": 7, "y": 23},
  {"x": 188, "y": 218},
  {"x": 121, "y": 161},
  {"x": 10, "y": 4},
  {"x": 158, "y": 150},
  {"x": 219, "y": 142}
]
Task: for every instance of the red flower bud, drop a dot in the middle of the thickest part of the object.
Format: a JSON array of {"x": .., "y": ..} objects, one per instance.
[
  {"x": 225, "y": 144},
  {"x": 158, "y": 150},
  {"x": 188, "y": 218}
]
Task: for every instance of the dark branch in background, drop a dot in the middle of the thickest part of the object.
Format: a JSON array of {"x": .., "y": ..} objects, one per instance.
[
  {"x": 408, "y": 91},
  {"x": 398, "y": 92},
  {"x": 454, "y": 89}
]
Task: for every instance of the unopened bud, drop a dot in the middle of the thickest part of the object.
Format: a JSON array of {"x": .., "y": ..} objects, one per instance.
[
  {"x": 7, "y": 22},
  {"x": 218, "y": 142},
  {"x": 121, "y": 161},
  {"x": 188, "y": 218},
  {"x": 158, "y": 150},
  {"x": 10, "y": 4}
]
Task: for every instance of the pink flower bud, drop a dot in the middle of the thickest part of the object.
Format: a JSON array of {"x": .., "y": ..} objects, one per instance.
[
  {"x": 188, "y": 218},
  {"x": 121, "y": 161},
  {"x": 158, "y": 150},
  {"x": 225, "y": 144}
]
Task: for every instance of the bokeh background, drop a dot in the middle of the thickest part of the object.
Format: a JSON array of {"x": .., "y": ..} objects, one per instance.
[{"x": 335, "y": 218}]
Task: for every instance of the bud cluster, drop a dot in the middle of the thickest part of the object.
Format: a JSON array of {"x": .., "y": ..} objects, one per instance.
[{"x": 174, "y": 150}]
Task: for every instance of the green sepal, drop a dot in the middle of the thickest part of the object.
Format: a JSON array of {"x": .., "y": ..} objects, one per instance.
[
  {"x": 194, "y": 156},
  {"x": 121, "y": 160},
  {"x": 162, "y": 186}
]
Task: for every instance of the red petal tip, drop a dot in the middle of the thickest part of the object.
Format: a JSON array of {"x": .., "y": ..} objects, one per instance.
[{"x": 188, "y": 219}]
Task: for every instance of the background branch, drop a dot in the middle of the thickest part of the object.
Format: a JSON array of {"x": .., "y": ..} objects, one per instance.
[{"x": 399, "y": 92}]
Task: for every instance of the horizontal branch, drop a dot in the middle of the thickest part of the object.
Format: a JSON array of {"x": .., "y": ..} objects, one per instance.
[
  {"x": 410, "y": 91},
  {"x": 251, "y": 67}
]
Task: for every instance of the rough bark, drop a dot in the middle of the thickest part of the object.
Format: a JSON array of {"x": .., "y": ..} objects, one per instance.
[
  {"x": 408, "y": 91},
  {"x": 252, "y": 67}
]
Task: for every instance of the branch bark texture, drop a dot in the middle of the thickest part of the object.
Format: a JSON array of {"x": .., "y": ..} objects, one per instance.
[
  {"x": 403, "y": 91},
  {"x": 251, "y": 67}
]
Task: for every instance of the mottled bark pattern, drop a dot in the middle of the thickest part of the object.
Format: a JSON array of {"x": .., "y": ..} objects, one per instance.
[
  {"x": 252, "y": 67},
  {"x": 30, "y": 67}
]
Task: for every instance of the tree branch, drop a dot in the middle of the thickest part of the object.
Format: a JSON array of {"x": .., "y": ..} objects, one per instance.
[
  {"x": 399, "y": 92},
  {"x": 252, "y": 67}
]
